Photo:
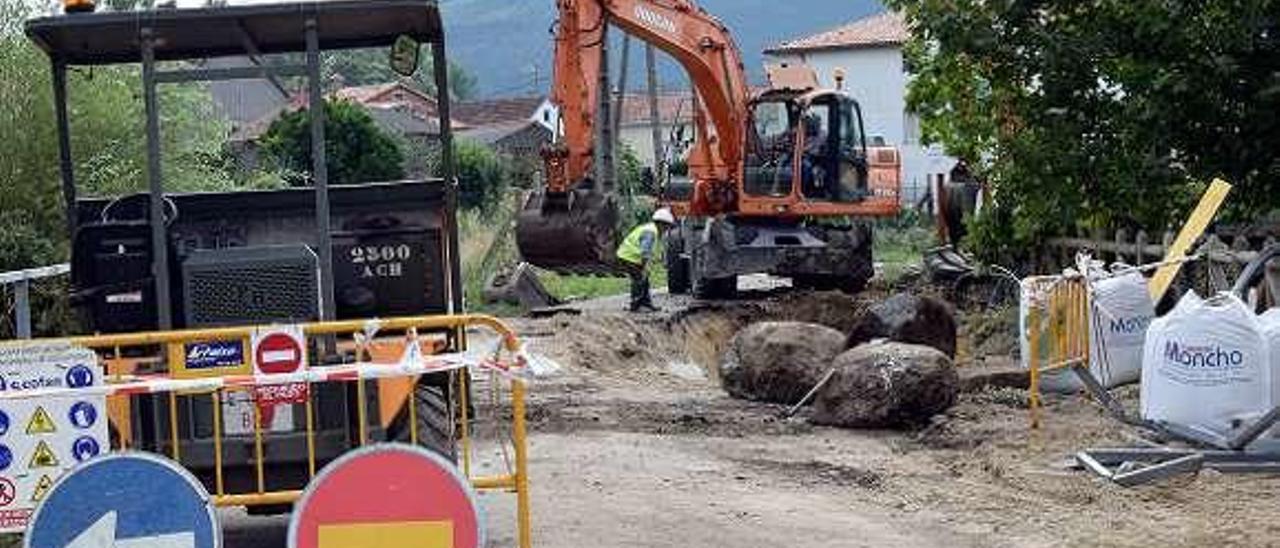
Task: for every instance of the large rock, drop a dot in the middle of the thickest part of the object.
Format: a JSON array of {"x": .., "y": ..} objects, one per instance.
[
  {"x": 885, "y": 385},
  {"x": 908, "y": 318},
  {"x": 778, "y": 362}
]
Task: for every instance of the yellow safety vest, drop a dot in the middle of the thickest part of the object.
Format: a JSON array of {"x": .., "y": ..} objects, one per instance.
[{"x": 630, "y": 250}]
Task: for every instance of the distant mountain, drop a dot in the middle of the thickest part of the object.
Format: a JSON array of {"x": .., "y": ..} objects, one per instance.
[{"x": 507, "y": 44}]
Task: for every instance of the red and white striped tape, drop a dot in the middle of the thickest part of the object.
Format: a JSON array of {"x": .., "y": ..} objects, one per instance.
[{"x": 514, "y": 370}]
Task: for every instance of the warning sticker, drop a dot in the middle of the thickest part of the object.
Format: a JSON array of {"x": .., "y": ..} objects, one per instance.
[
  {"x": 41, "y": 422},
  {"x": 42, "y": 488},
  {"x": 40, "y": 439},
  {"x": 43, "y": 457}
]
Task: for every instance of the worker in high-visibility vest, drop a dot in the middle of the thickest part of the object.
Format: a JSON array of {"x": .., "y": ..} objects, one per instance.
[{"x": 637, "y": 250}]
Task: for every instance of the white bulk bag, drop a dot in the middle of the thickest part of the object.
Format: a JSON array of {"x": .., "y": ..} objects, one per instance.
[
  {"x": 1205, "y": 365},
  {"x": 1270, "y": 321},
  {"x": 1119, "y": 314}
]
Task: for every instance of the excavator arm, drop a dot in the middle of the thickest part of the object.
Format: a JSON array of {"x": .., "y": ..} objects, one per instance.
[
  {"x": 694, "y": 38},
  {"x": 570, "y": 225}
]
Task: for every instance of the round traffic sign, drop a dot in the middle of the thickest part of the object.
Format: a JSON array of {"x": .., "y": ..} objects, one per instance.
[
  {"x": 8, "y": 492},
  {"x": 125, "y": 499},
  {"x": 278, "y": 353},
  {"x": 402, "y": 495}
]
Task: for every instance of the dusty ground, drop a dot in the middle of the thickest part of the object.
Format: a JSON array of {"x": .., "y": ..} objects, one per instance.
[{"x": 634, "y": 445}]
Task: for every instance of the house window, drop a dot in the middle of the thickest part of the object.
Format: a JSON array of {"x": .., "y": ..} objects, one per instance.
[{"x": 546, "y": 116}]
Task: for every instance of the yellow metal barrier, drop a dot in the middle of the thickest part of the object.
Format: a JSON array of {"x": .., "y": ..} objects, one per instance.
[
  {"x": 1058, "y": 330},
  {"x": 168, "y": 347}
]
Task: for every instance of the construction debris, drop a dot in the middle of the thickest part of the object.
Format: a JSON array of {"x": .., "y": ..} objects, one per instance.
[
  {"x": 519, "y": 287},
  {"x": 887, "y": 384}
]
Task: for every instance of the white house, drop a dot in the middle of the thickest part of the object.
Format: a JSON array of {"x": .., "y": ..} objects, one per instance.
[
  {"x": 869, "y": 52},
  {"x": 675, "y": 117}
]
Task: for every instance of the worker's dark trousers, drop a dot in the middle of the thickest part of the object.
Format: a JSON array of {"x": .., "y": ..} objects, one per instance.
[{"x": 639, "y": 285}]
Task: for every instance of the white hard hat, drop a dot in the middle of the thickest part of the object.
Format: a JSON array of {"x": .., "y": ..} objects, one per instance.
[{"x": 664, "y": 215}]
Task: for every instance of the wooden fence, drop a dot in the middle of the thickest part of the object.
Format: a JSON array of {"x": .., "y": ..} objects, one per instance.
[{"x": 1222, "y": 256}]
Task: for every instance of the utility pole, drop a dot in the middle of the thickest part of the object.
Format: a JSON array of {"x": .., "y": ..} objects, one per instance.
[
  {"x": 619, "y": 103},
  {"x": 655, "y": 118},
  {"x": 604, "y": 120}
]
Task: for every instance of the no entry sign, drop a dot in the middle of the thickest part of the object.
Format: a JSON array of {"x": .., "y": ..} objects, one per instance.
[
  {"x": 276, "y": 351},
  {"x": 387, "y": 496}
]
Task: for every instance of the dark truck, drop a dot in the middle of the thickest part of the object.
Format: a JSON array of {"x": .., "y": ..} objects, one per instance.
[{"x": 162, "y": 261}]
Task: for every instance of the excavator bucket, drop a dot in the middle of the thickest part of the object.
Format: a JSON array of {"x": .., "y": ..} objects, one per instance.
[{"x": 571, "y": 233}]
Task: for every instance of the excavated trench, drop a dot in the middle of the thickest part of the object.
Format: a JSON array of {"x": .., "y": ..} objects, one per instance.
[{"x": 684, "y": 346}]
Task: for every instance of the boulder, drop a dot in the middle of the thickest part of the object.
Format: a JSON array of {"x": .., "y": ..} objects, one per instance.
[
  {"x": 886, "y": 385},
  {"x": 778, "y": 362},
  {"x": 910, "y": 319},
  {"x": 519, "y": 287}
]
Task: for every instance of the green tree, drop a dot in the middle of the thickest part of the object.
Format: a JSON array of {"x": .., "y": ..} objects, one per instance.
[
  {"x": 107, "y": 134},
  {"x": 1099, "y": 113},
  {"x": 483, "y": 175},
  {"x": 108, "y": 147},
  {"x": 357, "y": 150}
]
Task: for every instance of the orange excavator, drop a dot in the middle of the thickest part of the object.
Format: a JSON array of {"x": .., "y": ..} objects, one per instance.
[{"x": 780, "y": 179}]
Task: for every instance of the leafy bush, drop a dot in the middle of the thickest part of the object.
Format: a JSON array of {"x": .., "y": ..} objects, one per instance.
[
  {"x": 483, "y": 175},
  {"x": 356, "y": 149},
  {"x": 1099, "y": 114}
]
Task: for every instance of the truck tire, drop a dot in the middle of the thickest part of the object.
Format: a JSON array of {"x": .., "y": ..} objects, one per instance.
[
  {"x": 435, "y": 417},
  {"x": 677, "y": 266}
]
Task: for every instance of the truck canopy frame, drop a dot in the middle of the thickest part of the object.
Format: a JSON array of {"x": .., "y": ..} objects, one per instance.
[{"x": 152, "y": 36}]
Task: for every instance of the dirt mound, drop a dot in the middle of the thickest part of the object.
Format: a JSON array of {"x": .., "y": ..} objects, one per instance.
[
  {"x": 992, "y": 333},
  {"x": 833, "y": 309},
  {"x": 656, "y": 348}
]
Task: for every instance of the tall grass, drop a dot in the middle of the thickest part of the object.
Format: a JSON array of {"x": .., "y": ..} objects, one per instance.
[{"x": 900, "y": 242}]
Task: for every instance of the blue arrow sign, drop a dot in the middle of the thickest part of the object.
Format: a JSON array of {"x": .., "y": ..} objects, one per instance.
[{"x": 125, "y": 500}]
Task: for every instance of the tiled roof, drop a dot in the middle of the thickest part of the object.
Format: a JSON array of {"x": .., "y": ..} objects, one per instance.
[
  {"x": 496, "y": 112},
  {"x": 885, "y": 29},
  {"x": 671, "y": 105}
]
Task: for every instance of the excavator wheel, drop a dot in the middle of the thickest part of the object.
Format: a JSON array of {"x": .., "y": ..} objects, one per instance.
[
  {"x": 570, "y": 233},
  {"x": 678, "y": 282}
]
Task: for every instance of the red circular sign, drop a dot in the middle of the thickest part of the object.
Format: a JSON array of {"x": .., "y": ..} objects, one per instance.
[
  {"x": 7, "y": 491},
  {"x": 399, "y": 494},
  {"x": 278, "y": 353}
]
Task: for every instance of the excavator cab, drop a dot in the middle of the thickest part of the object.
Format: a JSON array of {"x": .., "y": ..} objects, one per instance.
[{"x": 809, "y": 147}]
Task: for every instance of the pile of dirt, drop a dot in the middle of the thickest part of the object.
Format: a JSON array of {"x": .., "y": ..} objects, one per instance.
[
  {"x": 833, "y": 309},
  {"x": 645, "y": 347},
  {"x": 992, "y": 333}
]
